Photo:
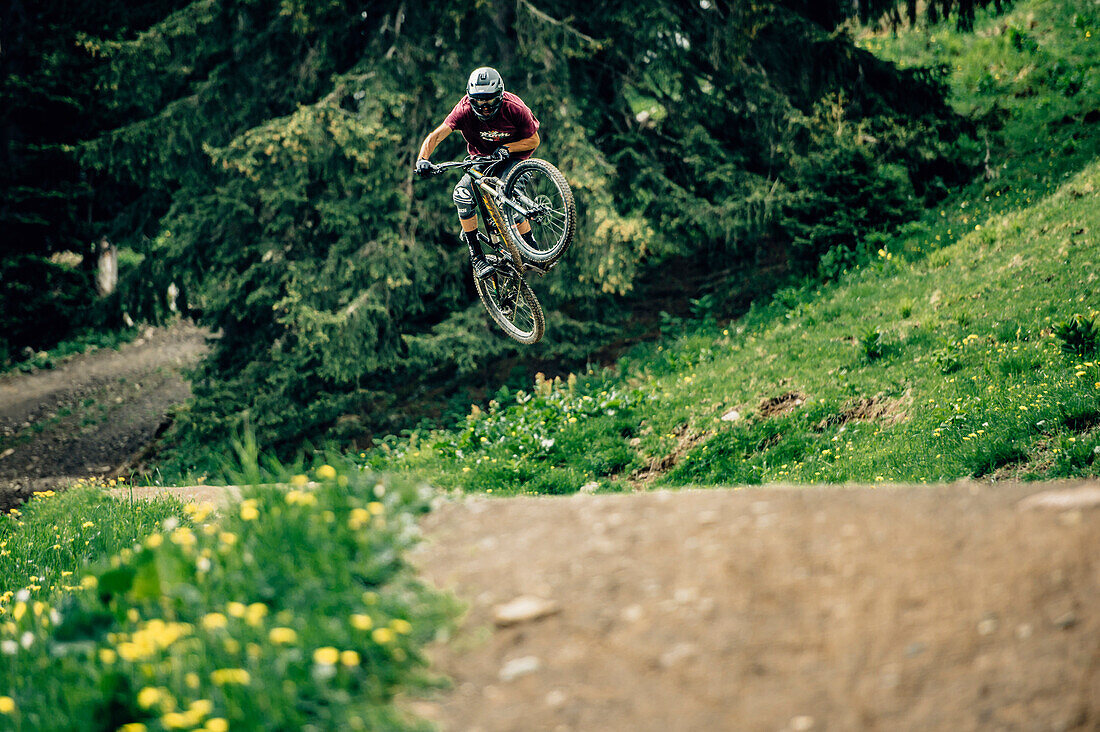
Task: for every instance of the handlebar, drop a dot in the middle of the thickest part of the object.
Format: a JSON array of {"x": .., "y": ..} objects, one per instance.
[{"x": 466, "y": 164}]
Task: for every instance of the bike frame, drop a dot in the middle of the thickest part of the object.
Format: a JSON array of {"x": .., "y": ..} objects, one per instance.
[
  {"x": 489, "y": 201},
  {"x": 489, "y": 188}
]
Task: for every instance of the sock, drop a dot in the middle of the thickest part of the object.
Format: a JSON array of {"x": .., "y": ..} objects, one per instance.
[
  {"x": 529, "y": 237},
  {"x": 472, "y": 243}
]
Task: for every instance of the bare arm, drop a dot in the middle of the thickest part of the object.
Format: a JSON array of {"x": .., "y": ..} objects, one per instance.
[
  {"x": 437, "y": 136},
  {"x": 528, "y": 143}
]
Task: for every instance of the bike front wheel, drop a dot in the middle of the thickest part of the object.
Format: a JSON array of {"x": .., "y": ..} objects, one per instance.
[
  {"x": 512, "y": 304},
  {"x": 542, "y": 191}
]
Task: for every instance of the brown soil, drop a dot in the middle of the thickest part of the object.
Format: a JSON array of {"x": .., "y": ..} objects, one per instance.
[
  {"x": 781, "y": 404},
  {"x": 93, "y": 414},
  {"x": 949, "y": 608}
]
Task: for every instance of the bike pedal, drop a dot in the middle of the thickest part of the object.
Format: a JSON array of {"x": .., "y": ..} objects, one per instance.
[{"x": 528, "y": 267}]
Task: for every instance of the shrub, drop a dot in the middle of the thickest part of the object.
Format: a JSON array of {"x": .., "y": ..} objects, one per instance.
[
  {"x": 1078, "y": 335},
  {"x": 295, "y": 608}
]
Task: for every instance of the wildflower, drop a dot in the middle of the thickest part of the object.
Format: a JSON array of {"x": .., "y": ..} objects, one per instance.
[
  {"x": 150, "y": 697},
  {"x": 327, "y": 472},
  {"x": 216, "y": 724},
  {"x": 133, "y": 727},
  {"x": 7, "y": 705},
  {"x": 399, "y": 625},
  {"x": 213, "y": 621},
  {"x": 237, "y": 609},
  {"x": 361, "y": 622},
  {"x": 184, "y": 537},
  {"x": 175, "y": 720},
  {"x": 349, "y": 658},
  {"x": 223, "y": 676},
  {"x": 358, "y": 519},
  {"x": 376, "y": 508},
  {"x": 107, "y": 656},
  {"x": 192, "y": 680},
  {"x": 154, "y": 540},
  {"x": 228, "y": 538},
  {"x": 301, "y": 497},
  {"x": 382, "y": 636},
  {"x": 200, "y": 708},
  {"x": 299, "y": 480},
  {"x": 87, "y": 524},
  {"x": 326, "y": 656},
  {"x": 249, "y": 512},
  {"x": 256, "y": 613},
  {"x": 282, "y": 635}
]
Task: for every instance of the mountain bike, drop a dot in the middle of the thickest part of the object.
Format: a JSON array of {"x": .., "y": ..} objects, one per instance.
[{"x": 533, "y": 191}]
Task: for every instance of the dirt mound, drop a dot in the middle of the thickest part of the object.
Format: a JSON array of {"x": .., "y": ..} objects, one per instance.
[
  {"x": 869, "y": 409},
  {"x": 955, "y": 607},
  {"x": 782, "y": 404},
  {"x": 93, "y": 414}
]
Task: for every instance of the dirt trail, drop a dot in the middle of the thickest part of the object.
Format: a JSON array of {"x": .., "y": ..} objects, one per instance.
[
  {"x": 93, "y": 413},
  {"x": 943, "y": 608}
]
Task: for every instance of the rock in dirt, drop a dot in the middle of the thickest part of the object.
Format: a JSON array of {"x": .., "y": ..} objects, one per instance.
[
  {"x": 521, "y": 666},
  {"x": 731, "y": 416},
  {"x": 523, "y": 609}
]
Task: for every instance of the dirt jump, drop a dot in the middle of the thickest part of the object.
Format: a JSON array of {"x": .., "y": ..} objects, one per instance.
[{"x": 961, "y": 607}]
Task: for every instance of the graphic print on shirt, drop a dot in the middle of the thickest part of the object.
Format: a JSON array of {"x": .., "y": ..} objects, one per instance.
[{"x": 494, "y": 135}]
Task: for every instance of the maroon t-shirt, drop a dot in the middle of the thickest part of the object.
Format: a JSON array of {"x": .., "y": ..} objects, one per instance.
[{"x": 512, "y": 123}]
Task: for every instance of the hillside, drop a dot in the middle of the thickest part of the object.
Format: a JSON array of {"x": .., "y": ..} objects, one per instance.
[{"x": 949, "y": 350}]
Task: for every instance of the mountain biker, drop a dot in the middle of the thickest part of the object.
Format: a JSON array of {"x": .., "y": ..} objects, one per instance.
[{"x": 497, "y": 124}]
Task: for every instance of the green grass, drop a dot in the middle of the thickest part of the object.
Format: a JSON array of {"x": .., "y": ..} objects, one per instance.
[
  {"x": 292, "y": 610},
  {"x": 79, "y": 343},
  {"x": 954, "y": 353},
  {"x": 48, "y": 544}
]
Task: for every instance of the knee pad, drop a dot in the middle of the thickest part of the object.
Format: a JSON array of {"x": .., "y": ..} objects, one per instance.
[{"x": 464, "y": 199}]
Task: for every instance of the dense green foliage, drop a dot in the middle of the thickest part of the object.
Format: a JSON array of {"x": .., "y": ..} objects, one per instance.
[
  {"x": 965, "y": 346},
  {"x": 274, "y": 142},
  {"x": 50, "y": 207},
  {"x": 210, "y": 622}
]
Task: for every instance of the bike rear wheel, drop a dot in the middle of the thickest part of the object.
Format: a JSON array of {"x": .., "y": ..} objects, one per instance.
[
  {"x": 511, "y": 303},
  {"x": 542, "y": 190}
]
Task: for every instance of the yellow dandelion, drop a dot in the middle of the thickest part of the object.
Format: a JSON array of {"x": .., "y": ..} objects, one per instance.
[
  {"x": 175, "y": 720},
  {"x": 382, "y": 636},
  {"x": 213, "y": 621},
  {"x": 282, "y": 635},
  {"x": 149, "y": 697},
  {"x": 326, "y": 656},
  {"x": 361, "y": 622},
  {"x": 7, "y": 705},
  {"x": 257, "y": 611},
  {"x": 223, "y": 676},
  {"x": 249, "y": 512},
  {"x": 327, "y": 472},
  {"x": 349, "y": 658},
  {"x": 216, "y": 724},
  {"x": 237, "y": 609},
  {"x": 404, "y": 627}
]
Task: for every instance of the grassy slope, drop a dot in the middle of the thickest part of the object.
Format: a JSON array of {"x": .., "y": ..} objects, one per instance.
[{"x": 946, "y": 337}]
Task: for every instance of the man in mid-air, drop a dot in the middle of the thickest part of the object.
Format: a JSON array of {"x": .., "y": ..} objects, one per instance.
[{"x": 497, "y": 124}]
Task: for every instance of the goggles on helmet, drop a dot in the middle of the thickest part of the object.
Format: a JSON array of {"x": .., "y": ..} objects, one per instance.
[{"x": 486, "y": 105}]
